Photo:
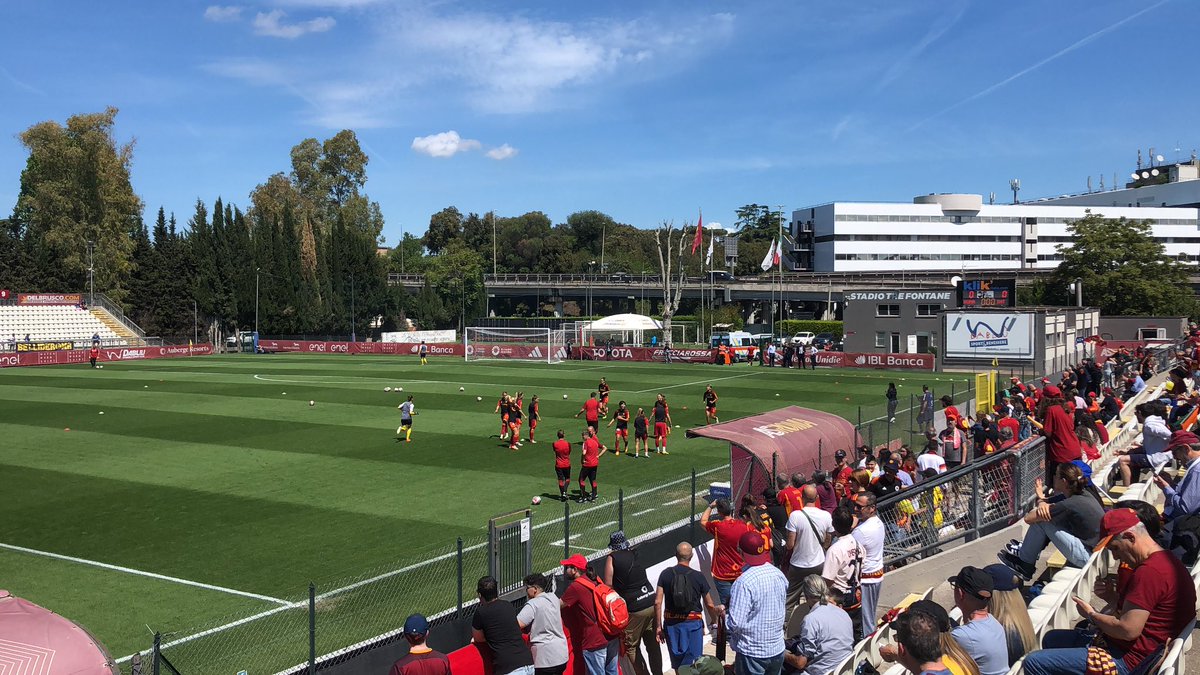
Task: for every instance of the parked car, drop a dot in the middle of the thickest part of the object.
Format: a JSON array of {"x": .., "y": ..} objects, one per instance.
[
  {"x": 622, "y": 278},
  {"x": 825, "y": 340},
  {"x": 839, "y": 345},
  {"x": 803, "y": 338},
  {"x": 717, "y": 276}
]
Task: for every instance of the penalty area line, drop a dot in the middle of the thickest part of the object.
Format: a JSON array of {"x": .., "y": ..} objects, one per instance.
[
  {"x": 692, "y": 384},
  {"x": 143, "y": 573}
]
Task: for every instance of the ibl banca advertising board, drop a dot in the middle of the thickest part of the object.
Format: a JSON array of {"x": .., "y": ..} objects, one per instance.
[{"x": 994, "y": 334}]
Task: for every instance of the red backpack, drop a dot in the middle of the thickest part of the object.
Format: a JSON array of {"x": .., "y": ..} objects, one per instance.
[{"x": 612, "y": 614}]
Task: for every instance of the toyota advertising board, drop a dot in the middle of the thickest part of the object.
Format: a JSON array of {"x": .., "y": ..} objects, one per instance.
[{"x": 997, "y": 334}]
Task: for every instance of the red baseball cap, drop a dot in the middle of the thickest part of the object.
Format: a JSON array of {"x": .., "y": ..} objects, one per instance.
[
  {"x": 1115, "y": 522},
  {"x": 754, "y": 549},
  {"x": 1051, "y": 390},
  {"x": 1181, "y": 438},
  {"x": 577, "y": 561}
]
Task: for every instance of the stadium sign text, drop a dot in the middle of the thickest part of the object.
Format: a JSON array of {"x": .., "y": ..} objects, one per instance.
[
  {"x": 932, "y": 296},
  {"x": 44, "y": 346}
]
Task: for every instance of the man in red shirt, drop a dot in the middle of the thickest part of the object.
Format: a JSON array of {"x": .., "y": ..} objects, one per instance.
[
  {"x": 790, "y": 497},
  {"x": 1062, "y": 445},
  {"x": 93, "y": 354},
  {"x": 590, "y": 411},
  {"x": 421, "y": 660},
  {"x": 727, "y": 531},
  {"x": 592, "y": 449},
  {"x": 841, "y": 475},
  {"x": 579, "y": 618},
  {"x": 562, "y": 463},
  {"x": 1007, "y": 421},
  {"x": 1156, "y": 603}
]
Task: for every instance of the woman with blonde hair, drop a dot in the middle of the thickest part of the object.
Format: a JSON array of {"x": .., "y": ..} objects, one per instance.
[
  {"x": 860, "y": 481},
  {"x": 1008, "y": 606}
]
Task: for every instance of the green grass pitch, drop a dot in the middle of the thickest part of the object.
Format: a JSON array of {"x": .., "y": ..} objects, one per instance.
[{"x": 203, "y": 470}]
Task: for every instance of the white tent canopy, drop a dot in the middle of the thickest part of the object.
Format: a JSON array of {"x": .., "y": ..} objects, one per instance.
[
  {"x": 627, "y": 328},
  {"x": 624, "y": 322}
]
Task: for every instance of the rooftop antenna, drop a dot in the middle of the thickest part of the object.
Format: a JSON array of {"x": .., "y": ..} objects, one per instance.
[
  {"x": 1139, "y": 166},
  {"x": 1102, "y": 182},
  {"x": 1176, "y": 152},
  {"x": 1089, "y": 184},
  {"x": 1114, "y": 186},
  {"x": 1151, "y": 157},
  {"x": 1015, "y": 186},
  {"x": 991, "y": 198}
]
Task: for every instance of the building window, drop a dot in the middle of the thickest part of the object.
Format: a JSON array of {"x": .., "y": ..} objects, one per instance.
[
  {"x": 928, "y": 310},
  {"x": 887, "y": 310},
  {"x": 881, "y": 340}
]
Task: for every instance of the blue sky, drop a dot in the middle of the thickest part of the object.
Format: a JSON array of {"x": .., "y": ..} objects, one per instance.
[{"x": 646, "y": 110}]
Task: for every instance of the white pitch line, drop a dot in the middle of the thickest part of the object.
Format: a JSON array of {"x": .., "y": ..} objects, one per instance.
[
  {"x": 692, "y": 384},
  {"x": 643, "y": 512},
  {"x": 152, "y": 575},
  {"x": 601, "y": 526}
]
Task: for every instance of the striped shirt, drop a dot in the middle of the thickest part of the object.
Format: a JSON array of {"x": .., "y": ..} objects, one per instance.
[{"x": 755, "y": 616}]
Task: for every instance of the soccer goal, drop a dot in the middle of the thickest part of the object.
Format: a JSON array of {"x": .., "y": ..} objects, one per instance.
[{"x": 515, "y": 344}]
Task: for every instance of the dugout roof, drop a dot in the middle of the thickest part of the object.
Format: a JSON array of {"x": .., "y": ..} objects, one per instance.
[
  {"x": 787, "y": 440},
  {"x": 43, "y": 638}
]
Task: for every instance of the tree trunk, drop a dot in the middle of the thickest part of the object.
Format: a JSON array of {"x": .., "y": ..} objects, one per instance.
[{"x": 668, "y": 267}]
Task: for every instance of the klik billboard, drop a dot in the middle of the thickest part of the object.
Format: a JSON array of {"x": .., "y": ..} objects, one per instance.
[{"x": 993, "y": 334}]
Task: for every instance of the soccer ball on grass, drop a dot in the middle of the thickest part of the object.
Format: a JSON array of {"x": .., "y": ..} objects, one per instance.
[
  {"x": 564, "y": 396},
  {"x": 387, "y": 389},
  {"x": 311, "y": 403},
  {"x": 536, "y": 500},
  {"x": 462, "y": 388}
]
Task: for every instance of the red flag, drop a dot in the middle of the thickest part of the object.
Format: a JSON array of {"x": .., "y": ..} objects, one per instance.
[
  {"x": 775, "y": 252},
  {"x": 699, "y": 239}
]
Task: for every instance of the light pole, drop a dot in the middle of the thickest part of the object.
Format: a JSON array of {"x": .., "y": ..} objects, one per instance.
[
  {"x": 91, "y": 246},
  {"x": 195, "y": 323},
  {"x": 493, "y": 215},
  {"x": 257, "y": 272},
  {"x": 591, "y": 264},
  {"x": 353, "y": 335}
]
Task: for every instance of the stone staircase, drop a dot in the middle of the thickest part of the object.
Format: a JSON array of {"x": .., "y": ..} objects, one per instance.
[{"x": 116, "y": 326}]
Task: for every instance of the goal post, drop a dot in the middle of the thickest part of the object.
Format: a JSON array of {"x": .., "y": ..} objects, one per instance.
[{"x": 515, "y": 344}]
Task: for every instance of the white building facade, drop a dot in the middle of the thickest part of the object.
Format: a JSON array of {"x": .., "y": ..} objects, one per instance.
[{"x": 960, "y": 232}]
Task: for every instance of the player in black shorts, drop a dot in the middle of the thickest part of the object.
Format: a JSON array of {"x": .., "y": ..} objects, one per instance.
[
  {"x": 514, "y": 422},
  {"x": 603, "y": 389},
  {"x": 710, "y": 406},
  {"x": 621, "y": 419},
  {"x": 641, "y": 438}
]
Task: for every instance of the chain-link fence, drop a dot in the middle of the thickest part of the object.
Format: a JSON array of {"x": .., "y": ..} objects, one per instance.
[
  {"x": 965, "y": 503},
  {"x": 880, "y": 427},
  {"x": 332, "y": 622}
]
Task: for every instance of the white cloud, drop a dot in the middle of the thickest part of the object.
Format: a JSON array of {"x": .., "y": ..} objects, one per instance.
[
  {"x": 271, "y": 24},
  {"x": 222, "y": 14},
  {"x": 445, "y": 144},
  {"x": 505, "y": 151}
]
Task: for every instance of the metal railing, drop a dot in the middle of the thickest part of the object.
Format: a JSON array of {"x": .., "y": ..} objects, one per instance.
[{"x": 114, "y": 309}]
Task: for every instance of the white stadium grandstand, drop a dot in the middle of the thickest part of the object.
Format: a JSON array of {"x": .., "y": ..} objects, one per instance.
[{"x": 60, "y": 323}]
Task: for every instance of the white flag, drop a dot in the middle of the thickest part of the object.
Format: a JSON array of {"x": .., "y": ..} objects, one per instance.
[
  {"x": 769, "y": 259},
  {"x": 711, "y": 240}
]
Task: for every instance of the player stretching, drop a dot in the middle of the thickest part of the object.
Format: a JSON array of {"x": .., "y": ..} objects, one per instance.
[
  {"x": 534, "y": 416},
  {"x": 590, "y": 411},
  {"x": 502, "y": 409},
  {"x": 662, "y": 424},
  {"x": 424, "y": 352},
  {"x": 514, "y": 422},
  {"x": 621, "y": 418},
  {"x": 640, "y": 438},
  {"x": 710, "y": 406},
  {"x": 407, "y": 410},
  {"x": 591, "y": 462},
  {"x": 562, "y": 463},
  {"x": 603, "y": 388}
]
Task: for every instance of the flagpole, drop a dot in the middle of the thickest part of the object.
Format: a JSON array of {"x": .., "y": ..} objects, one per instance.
[{"x": 779, "y": 252}]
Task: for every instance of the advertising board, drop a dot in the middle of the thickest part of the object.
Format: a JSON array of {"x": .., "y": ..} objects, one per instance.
[
  {"x": 419, "y": 335},
  {"x": 973, "y": 293},
  {"x": 49, "y": 298},
  {"x": 61, "y": 357},
  {"x": 991, "y": 334}
]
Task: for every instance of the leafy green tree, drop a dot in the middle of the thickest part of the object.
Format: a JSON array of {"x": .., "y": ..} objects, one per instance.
[
  {"x": 1124, "y": 270},
  {"x": 756, "y": 221},
  {"x": 444, "y": 226},
  {"x": 75, "y": 188}
]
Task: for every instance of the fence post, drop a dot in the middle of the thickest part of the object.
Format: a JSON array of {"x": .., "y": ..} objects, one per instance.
[
  {"x": 155, "y": 652},
  {"x": 952, "y": 392},
  {"x": 621, "y": 509},
  {"x": 1017, "y": 477},
  {"x": 860, "y": 418},
  {"x": 912, "y": 398},
  {"x": 312, "y": 628},
  {"x": 976, "y": 506},
  {"x": 460, "y": 578},
  {"x": 774, "y": 469},
  {"x": 820, "y": 456},
  {"x": 567, "y": 529},
  {"x": 871, "y": 436},
  {"x": 692, "y": 516}
]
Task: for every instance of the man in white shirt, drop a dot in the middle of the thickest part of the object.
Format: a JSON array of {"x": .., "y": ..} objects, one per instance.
[
  {"x": 870, "y": 533},
  {"x": 930, "y": 459},
  {"x": 809, "y": 531}
]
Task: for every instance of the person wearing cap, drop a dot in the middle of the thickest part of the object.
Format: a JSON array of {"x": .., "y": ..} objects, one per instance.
[
  {"x": 841, "y": 475},
  {"x": 918, "y": 643},
  {"x": 495, "y": 625},
  {"x": 980, "y": 634},
  {"x": 626, "y": 574},
  {"x": 1008, "y": 607},
  {"x": 420, "y": 660},
  {"x": 756, "y": 612},
  {"x": 809, "y": 532},
  {"x": 1182, "y": 499},
  {"x": 679, "y": 602},
  {"x": 1152, "y": 607},
  {"x": 870, "y": 533},
  {"x": 1058, "y": 426},
  {"x": 580, "y": 620},
  {"x": 542, "y": 618},
  {"x": 1071, "y": 524},
  {"x": 826, "y": 633},
  {"x": 1156, "y": 435}
]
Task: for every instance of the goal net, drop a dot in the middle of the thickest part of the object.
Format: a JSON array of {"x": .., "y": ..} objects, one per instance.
[{"x": 515, "y": 344}]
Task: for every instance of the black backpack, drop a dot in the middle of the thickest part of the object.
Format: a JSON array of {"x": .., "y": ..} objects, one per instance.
[
  {"x": 1185, "y": 539},
  {"x": 683, "y": 593}
]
